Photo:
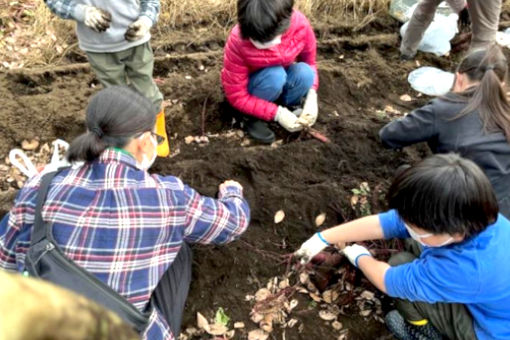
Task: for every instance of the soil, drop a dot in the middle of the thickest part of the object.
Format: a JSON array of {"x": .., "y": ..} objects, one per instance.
[{"x": 360, "y": 75}]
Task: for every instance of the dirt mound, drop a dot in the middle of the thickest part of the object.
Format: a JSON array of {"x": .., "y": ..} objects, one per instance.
[{"x": 360, "y": 75}]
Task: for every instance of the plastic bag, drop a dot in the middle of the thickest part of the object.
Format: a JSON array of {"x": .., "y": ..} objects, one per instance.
[
  {"x": 503, "y": 38},
  {"x": 438, "y": 35},
  {"x": 402, "y": 10},
  {"x": 431, "y": 81}
]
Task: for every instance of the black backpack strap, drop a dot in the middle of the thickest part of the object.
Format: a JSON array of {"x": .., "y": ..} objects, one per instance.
[{"x": 38, "y": 230}]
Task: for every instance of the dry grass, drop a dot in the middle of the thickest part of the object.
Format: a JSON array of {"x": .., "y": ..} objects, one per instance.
[{"x": 32, "y": 36}]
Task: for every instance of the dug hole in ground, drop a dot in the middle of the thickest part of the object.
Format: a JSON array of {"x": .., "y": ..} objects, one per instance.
[{"x": 362, "y": 86}]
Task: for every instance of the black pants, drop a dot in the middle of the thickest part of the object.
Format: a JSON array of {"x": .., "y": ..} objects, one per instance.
[
  {"x": 172, "y": 290},
  {"x": 452, "y": 320}
]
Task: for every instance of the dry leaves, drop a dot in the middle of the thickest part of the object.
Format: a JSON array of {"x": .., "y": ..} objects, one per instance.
[
  {"x": 406, "y": 98},
  {"x": 279, "y": 216},
  {"x": 319, "y": 220}
]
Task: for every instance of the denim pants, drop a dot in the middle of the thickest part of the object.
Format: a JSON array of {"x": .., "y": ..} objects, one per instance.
[{"x": 285, "y": 85}]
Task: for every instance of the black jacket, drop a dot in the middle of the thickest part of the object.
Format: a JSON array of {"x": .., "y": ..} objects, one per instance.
[{"x": 434, "y": 124}]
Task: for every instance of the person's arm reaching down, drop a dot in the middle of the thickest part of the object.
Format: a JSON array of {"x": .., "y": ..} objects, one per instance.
[
  {"x": 418, "y": 126},
  {"x": 216, "y": 220}
]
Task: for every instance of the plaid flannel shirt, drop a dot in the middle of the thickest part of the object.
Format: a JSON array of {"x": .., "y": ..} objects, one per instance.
[
  {"x": 65, "y": 8},
  {"x": 123, "y": 225}
]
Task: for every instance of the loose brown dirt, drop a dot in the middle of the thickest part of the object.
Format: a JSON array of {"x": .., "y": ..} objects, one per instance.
[{"x": 360, "y": 74}]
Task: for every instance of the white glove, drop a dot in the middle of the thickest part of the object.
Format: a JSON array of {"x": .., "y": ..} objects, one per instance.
[
  {"x": 230, "y": 183},
  {"x": 310, "y": 248},
  {"x": 310, "y": 109},
  {"x": 287, "y": 119},
  {"x": 354, "y": 252},
  {"x": 138, "y": 29},
  {"x": 97, "y": 19}
]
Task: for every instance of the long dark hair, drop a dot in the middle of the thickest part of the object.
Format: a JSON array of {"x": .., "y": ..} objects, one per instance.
[
  {"x": 114, "y": 116},
  {"x": 489, "y": 67},
  {"x": 444, "y": 193}
]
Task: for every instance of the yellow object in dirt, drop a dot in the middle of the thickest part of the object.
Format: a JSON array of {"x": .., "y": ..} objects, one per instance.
[{"x": 163, "y": 148}]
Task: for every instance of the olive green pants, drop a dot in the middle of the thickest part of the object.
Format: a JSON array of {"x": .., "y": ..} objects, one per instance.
[
  {"x": 452, "y": 320},
  {"x": 131, "y": 67}
]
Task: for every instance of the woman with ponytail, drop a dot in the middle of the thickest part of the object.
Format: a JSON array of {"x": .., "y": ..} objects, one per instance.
[
  {"x": 473, "y": 119},
  {"x": 123, "y": 225}
]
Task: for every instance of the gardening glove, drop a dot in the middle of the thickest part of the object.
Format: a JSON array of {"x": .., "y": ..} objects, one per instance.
[
  {"x": 313, "y": 246},
  {"x": 464, "y": 19},
  {"x": 310, "y": 109},
  {"x": 138, "y": 29},
  {"x": 97, "y": 19},
  {"x": 287, "y": 119},
  {"x": 354, "y": 252}
]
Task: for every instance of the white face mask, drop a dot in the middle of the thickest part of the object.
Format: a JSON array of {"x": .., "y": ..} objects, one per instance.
[
  {"x": 145, "y": 164},
  {"x": 418, "y": 238},
  {"x": 264, "y": 46}
]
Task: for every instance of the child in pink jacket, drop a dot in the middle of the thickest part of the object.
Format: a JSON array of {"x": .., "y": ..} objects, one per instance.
[{"x": 269, "y": 67}]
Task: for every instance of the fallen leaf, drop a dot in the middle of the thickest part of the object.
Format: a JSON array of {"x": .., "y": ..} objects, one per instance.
[
  {"x": 303, "y": 277},
  {"x": 217, "y": 329},
  {"x": 327, "y": 315},
  {"x": 337, "y": 325},
  {"x": 256, "y": 317},
  {"x": 279, "y": 216},
  {"x": 315, "y": 297},
  {"x": 29, "y": 145},
  {"x": 262, "y": 294},
  {"x": 293, "y": 304},
  {"x": 238, "y": 325},
  {"x": 391, "y": 109},
  {"x": 366, "y": 294},
  {"x": 291, "y": 323},
  {"x": 406, "y": 98},
  {"x": 330, "y": 296},
  {"x": 284, "y": 284},
  {"x": 319, "y": 220},
  {"x": 257, "y": 334},
  {"x": 202, "y": 322},
  {"x": 365, "y": 312},
  {"x": 354, "y": 201}
]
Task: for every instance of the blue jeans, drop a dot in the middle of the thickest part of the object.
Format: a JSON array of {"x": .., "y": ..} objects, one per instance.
[{"x": 287, "y": 86}]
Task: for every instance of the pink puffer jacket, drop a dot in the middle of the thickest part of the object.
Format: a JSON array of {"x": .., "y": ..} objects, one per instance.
[{"x": 241, "y": 58}]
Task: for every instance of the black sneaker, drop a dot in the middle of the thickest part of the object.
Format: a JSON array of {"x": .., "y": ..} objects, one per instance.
[
  {"x": 259, "y": 130},
  {"x": 403, "y": 330}
]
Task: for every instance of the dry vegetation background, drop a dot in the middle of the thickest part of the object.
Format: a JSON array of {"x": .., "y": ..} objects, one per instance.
[{"x": 31, "y": 36}]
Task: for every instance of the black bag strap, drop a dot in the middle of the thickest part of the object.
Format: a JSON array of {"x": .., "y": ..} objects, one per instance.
[{"x": 39, "y": 230}]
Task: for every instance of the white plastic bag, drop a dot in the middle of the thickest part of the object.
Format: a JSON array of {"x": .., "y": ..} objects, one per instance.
[
  {"x": 431, "y": 81},
  {"x": 438, "y": 35},
  {"x": 503, "y": 38}
]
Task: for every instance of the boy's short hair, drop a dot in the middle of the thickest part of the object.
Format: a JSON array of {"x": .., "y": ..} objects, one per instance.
[
  {"x": 262, "y": 20},
  {"x": 445, "y": 193}
]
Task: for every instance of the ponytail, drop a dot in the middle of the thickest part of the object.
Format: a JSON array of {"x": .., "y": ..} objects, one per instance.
[
  {"x": 86, "y": 147},
  {"x": 489, "y": 67},
  {"x": 114, "y": 116}
]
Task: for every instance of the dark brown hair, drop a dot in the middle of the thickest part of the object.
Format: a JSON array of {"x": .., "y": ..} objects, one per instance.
[
  {"x": 114, "y": 116},
  {"x": 489, "y": 67}
]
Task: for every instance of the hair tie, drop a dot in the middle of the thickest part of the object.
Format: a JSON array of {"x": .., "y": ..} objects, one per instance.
[
  {"x": 489, "y": 67},
  {"x": 97, "y": 131}
]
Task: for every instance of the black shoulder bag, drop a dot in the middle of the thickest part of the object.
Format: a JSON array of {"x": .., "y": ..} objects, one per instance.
[{"x": 46, "y": 260}]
